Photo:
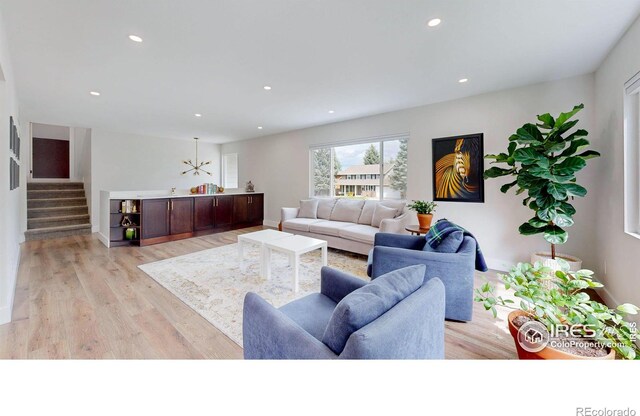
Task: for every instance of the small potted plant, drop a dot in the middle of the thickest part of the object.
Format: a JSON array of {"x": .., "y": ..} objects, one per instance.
[
  {"x": 543, "y": 160},
  {"x": 425, "y": 210},
  {"x": 577, "y": 326}
]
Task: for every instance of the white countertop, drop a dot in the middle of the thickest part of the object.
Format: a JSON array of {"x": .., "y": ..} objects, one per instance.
[{"x": 167, "y": 194}]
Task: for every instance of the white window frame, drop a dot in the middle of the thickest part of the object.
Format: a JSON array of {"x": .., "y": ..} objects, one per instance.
[
  {"x": 632, "y": 156},
  {"x": 333, "y": 145},
  {"x": 224, "y": 179}
]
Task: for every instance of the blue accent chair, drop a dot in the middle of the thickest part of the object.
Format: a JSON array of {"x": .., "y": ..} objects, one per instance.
[
  {"x": 308, "y": 328},
  {"x": 456, "y": 270}
]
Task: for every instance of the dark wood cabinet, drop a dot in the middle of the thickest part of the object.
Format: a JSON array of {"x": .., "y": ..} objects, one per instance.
[
  {"x": 223, "y": 211},
  {"x": 181, "y": 215},
  {"x": 240, "y": 208},
  {"x": 169, "y": 219},
  {"x": 155, "y": 218},
  {"x": 203, "y": 213},
  {"x": 256, "y": 208}
]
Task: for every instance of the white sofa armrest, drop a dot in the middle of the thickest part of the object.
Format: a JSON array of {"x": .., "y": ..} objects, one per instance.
[
  {"x": 288, "y": 213},
  {"x": 396, "y": 225}
]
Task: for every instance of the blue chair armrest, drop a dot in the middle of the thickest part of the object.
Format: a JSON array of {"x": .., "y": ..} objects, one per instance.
[
  {"x": 411, "y": 242},
  {"x": 270, "y": 334},
  {"x": 336, "y": 284},
  {"x": 387, "y": 259}
]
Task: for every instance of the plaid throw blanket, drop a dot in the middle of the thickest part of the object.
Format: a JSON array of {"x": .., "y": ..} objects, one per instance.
[{"x": 441, "y": 230}]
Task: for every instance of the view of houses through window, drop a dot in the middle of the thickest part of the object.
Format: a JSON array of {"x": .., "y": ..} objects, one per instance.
[{"x": 371, "y": 170}]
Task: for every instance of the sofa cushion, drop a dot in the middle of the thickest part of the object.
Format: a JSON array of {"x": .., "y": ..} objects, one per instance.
[
  {"x": 325, "y": 206},
  {"x": 364, "y": 305},
  {"x": 399, "y": 206},
  {"x": 451, "y": 244},
  {"x": 367, "y": 212},
  {"x": 328, "y": 227},
  {"x": 347, "y": 210},
  {"x": 382, "y": 213},
  {"x": 359, "y": 232},
  {"x": 308, "y": 208},
  {"x": 311, "y": 312},
  {"x": 300, "y": 224}
]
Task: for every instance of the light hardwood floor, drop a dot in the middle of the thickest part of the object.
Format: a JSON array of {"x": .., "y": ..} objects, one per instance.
[{"x": 77, "y": 299}]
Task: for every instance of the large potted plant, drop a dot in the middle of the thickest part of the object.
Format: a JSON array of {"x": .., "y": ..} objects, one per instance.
[
  {"x": 425, "y": 210},
  {"x": 577, "y": 326},
  {"x": 543, "y": 161}
]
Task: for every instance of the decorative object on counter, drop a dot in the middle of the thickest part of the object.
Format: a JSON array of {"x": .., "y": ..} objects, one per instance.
[
  {"x": 126, "y": 221},
  {"x": 196, "y": 167},
  {"x": 220, "y": 189},
  {"x": 173, "y": 191},
  {"x": 249, "y": 187}
]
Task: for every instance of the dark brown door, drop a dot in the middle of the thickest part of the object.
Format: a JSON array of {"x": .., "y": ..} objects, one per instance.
[
  {"x": 181, "y": 215},
  {"x": 224, "y": 211},
  {"x": 155, "y": 218},
  {"x": 203, "y": 213},
  {"x": 240, "y": 208},
  {"x": 50, "y": 158},
  {"x": 256, "y": 208}
]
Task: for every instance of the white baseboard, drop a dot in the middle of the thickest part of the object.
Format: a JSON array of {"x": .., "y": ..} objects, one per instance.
[
  {"x": 499, "y": 265},
  {"x": 270, "y": 223},
  {"x": 104, "y": 240},
  {"x": 6, "y": 310},
  {"x": 5, "y": 314},
  {"x": 95, "y": 228}
]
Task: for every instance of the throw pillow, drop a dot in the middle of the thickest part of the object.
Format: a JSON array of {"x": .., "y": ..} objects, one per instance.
[
  {"x": 347, "y": 210},
  {"x": 451, "y": 244},
  {"x": 308, "y": 208},
  {"x": 325, "y": 206},
  {"x": 382, "y": 213},
  {"x": 364, "y": 305},
  {"x": 367, "y": 212}
]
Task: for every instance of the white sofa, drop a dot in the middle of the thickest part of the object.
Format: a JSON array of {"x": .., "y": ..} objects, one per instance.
[{"x": 347, "y": 224}]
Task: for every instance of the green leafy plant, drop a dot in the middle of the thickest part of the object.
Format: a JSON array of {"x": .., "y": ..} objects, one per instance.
[
  {"x": 544, "y": 162},
  {"x": 555, "y": 298},
  {"x": 423, "y": 207}
]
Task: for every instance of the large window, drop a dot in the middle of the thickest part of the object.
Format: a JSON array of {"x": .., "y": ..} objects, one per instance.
[
  {"x": 632, "y": 156},
  {"x": 371, "y": 169}
]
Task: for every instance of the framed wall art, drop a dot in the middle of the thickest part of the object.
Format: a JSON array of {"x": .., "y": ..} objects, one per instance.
[{"x": 458, "y": 166}]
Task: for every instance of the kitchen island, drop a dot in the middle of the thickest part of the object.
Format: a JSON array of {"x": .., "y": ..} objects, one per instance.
[{"x": 150, "y": 217}]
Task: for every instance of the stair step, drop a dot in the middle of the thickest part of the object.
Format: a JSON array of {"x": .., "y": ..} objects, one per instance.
[
  {"x": 45, "y": 186},
  {"x": 46, "y": 222},
  {"x": 57, "y": 232},
  {"x": 56, "y": 211},
  {"x": 55, "y": 193},
  {"x": 55, "y": 202}
]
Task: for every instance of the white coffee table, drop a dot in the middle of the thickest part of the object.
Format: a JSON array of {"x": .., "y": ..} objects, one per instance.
[
  {"x": 259, "y": 238},
  {"x": 294, "y": 246}
]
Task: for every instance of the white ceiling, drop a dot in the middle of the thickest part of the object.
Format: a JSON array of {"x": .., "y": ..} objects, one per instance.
[{"x": 357, "y": 57}]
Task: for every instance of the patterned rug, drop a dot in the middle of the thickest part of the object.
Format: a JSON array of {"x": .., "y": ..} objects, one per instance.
[{"x": 213, "y": 282}]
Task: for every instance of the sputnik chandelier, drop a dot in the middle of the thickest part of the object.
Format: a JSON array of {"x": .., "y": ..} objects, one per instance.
[{"x": 196, "y": 167}]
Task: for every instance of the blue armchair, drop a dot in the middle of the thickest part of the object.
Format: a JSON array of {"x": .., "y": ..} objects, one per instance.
[
  {"x": 456, "y": 270},
  {"x": 335, "y": 322}
]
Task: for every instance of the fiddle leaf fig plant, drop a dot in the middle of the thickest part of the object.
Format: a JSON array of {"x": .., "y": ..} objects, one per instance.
[{"x": 543, "y": 160}]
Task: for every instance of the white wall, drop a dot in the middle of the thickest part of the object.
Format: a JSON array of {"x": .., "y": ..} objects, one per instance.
[
  {"x": 619, "y": 251},
  {"x": 127, "y": 162},
  {"x": 50, "y": 131},
  {"x": 12, "y": 203},
  {"x": 279, "y": 164}
]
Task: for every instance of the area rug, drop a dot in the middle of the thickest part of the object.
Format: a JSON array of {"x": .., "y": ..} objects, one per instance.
[{"x": 214, "y": 282}]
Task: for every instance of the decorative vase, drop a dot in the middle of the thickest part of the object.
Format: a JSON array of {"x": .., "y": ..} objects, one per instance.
[
  {"x": 547, "y": 353},
  {"x": 425, "y": 220}
]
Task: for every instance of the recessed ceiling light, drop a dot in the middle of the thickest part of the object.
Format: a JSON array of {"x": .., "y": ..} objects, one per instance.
[
  {"x": 331, "y": 111},
  {"x": 96, "y": 93},
  {"x": 267, "y": 87},
  {"x": 198, "y": 115},
  {"x": 135, "y": 38},
  {"x": 259, "y": 127},
  {"x": 434, "y": 22},
  {"x": 462, "y": 80}
]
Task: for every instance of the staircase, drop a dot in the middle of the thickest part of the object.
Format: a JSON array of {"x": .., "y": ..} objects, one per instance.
[{"x": 56, "y": 210}]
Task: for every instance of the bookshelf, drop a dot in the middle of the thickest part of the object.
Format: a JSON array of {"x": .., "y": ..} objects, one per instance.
[{"x": 124, "y": 222}]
